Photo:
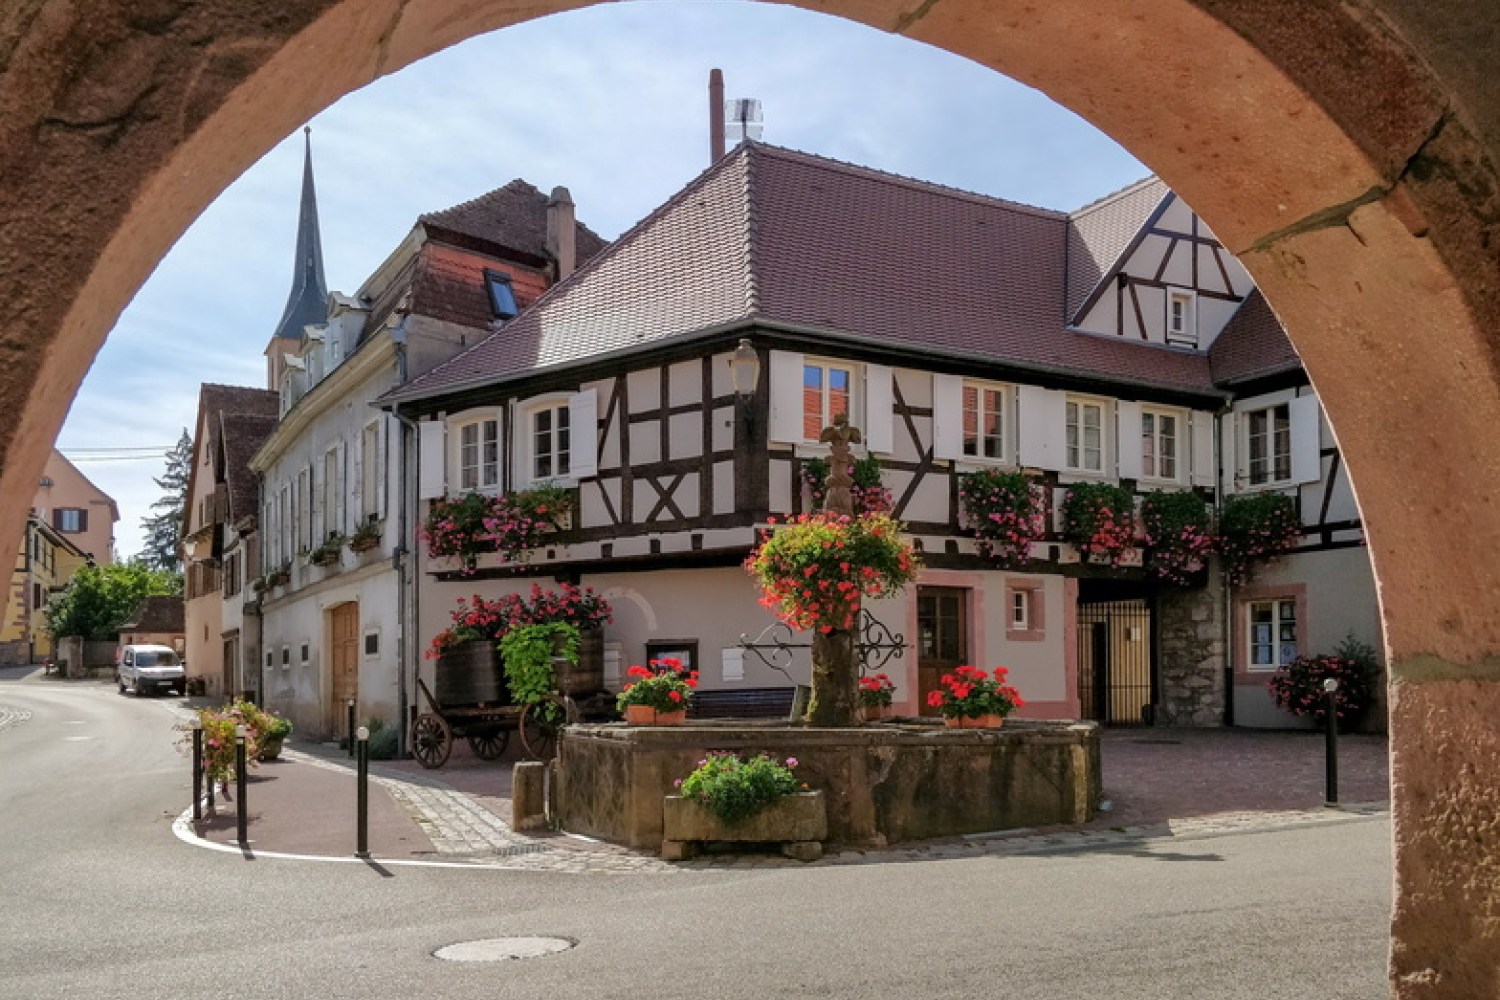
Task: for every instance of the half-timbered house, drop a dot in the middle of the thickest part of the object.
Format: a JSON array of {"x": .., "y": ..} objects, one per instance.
[{"x": 1121, "y": 343}]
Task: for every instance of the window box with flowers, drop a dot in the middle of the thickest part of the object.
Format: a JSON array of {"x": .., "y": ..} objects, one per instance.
[
  {"x": 875, "y": 696},
  {"x": 1004, "y": 511},
  {"x": 1179, "y": 529},
  {"x": 1099, "y": 518},
  {"x": 1256, "y": 529},
  {"x": 279, "y": 576},
  {"x": 971, "y": 698},
  {"x": 512, "y": 524},
  {"x": 658, "y": 695},
  {"x": 869, "y": 494},
  {"x": 729, "y": 799},
  {"x": 329, "y": 553},
  {"x": 366, "y": 536},
  {"x": 814, "y": 568}
]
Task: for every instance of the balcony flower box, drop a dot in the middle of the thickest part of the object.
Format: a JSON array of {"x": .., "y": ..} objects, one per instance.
[{"x": 799, "y": 823}]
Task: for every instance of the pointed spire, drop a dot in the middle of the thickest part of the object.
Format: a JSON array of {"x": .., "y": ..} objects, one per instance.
[{"x": 308, "y": 301}]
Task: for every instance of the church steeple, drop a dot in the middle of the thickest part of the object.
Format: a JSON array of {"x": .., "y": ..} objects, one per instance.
[{"x": 308, "y": 301}]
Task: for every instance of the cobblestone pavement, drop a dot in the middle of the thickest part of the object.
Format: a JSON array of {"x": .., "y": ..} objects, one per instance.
[{"x": 1181, "y": 785}]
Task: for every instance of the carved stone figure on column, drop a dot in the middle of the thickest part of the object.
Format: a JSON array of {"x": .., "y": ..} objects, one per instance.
[{"x": 839, "y": 436}]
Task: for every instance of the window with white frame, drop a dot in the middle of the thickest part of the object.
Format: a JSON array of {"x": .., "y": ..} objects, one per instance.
[
  {"x": 1160, "y": 444},
  {"x": 1182, "y": 324},
  {"x": 478, "y": 454},
  {"x": 827, "y": 390},
  {"x": 551, "y": 442},
  {"x": 1020, "y": 609},
  {"x": 1268, "y": 445},
  {"x": 984, "y": 407},
  {"x": 1272, "y": 633},
  {"x": 1085, "y": 435}
]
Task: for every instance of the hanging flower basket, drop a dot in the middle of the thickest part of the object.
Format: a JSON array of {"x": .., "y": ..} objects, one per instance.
[
  {"x": 813, "y": 569},
  {"x": 1005, "y": 511},
  {"x": 1179, "y": 535},
  {"x": 1256, "y": 529},
  {"x": 512, "y": 524},
  {"x": 1099, "y": 518}
]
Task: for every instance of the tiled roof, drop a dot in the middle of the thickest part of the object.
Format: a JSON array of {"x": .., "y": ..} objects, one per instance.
[
  {"x": 1253, "y": 344},
  {"x": 512, "y": 217},
  {"x": 214, "y": 398},
  {"x": 1100, "y": 232},
  {"x": 449, "y": 285},
  {"x": 158, "y": 613},
  {"x": 242, "y": 434},
  {"x": 780, "y": 237}
]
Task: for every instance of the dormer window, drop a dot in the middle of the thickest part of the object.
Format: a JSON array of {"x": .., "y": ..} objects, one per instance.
[{"x": 502, "y": 294}]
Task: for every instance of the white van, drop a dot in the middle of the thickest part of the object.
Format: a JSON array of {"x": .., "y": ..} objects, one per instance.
[{"x": 149, "y": 668}]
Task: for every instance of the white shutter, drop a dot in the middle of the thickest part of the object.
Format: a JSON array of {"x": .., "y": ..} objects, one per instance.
[
  {"x": 341, "y": 489},
  {"x": 1307, "y": 446},
  {"x": 1229, "y": 451},
  {"x": 880, "y": 410},
  {"x": 1128, "y": 438},
  {"x": 583, "y": 421},
  {"x": 786, "y": 397},
  {"x": 1042, "y": 424},
  {"x": 1202, "y": 430},
  {"x": 948, "y": 417},
  {"x": 381, "y": 465},
  {"x": 431, "y": 459}
]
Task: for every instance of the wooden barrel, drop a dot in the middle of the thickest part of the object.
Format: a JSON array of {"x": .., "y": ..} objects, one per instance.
[
  {"x": 587, "y": 675},
  {"x": 469, "y": 674}
]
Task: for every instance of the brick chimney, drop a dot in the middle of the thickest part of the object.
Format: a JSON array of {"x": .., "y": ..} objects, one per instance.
[
  {"x": 715, "y": 116},
  {"x": 562, "y": 232}
]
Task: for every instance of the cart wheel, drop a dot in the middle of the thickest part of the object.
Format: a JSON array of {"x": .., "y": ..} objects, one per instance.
[
  {"x": 431, "y": 741},
  {"x": 490, "y": 745},
  {"x": 540, "y": 722}
]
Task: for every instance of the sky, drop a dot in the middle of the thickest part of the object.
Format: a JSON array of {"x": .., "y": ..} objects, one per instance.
[{"x": 610, "y": 102}]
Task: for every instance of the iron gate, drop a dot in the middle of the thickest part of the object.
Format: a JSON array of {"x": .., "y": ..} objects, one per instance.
[{"x": 1116, "y": 667}]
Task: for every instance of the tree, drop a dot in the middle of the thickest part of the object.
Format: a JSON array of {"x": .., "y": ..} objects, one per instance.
[
  {"x": 99, "y": 599},
  {"x": 163, "y": 530}
]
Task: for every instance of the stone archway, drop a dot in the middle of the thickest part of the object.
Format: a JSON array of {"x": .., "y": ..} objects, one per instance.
[{"x": 1347, "y": 149}]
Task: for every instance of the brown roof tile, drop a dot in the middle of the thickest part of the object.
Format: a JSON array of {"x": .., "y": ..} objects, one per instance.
[
  {"x": 1253, "y": 344},
  {"x": 242, "y": 435},
  {"x": 1099, "y": 232},
  {"x": 513, "y": 217},
  {"x": 158, "y": 613},
  {"x": 781, "y": 237}
]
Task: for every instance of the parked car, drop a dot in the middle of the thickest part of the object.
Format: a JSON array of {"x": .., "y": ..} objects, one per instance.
[{"x": 145, "y": 669}]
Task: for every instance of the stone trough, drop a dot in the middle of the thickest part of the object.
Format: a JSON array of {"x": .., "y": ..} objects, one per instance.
[{"x": 884, "y": 784}]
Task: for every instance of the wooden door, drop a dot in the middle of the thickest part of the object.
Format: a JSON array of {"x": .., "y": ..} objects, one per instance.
[
  {"x": 942, "y": 637},
  {"x": 344, "y": 660}
]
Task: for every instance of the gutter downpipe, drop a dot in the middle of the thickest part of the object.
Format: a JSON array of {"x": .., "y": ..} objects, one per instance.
[{"x": 399, "y": 561}]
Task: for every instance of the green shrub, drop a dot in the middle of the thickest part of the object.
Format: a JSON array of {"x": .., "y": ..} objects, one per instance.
[
  {"x": 383, "y": 739},
  {"x": 734, "y": 789}
]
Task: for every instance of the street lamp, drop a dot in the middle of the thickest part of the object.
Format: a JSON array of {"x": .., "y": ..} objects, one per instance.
[{"x": 744, "y": 368}]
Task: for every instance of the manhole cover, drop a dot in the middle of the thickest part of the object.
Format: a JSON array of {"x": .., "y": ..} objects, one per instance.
[{"x": 503, "y": 949}]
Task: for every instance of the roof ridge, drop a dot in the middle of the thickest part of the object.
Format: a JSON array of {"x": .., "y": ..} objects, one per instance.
[
  {"x": 902, "y": 180},
  {"x": 752, "y": 242},
  {"x": 508, "y": 186},
  {"x": 1128, "y": 189}
]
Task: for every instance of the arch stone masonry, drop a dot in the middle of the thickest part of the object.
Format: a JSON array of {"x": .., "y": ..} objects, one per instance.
[{"x": 1346, "y": 149}]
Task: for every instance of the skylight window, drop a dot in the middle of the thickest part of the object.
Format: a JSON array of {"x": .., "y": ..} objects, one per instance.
[{"x": 502, "y": 294}]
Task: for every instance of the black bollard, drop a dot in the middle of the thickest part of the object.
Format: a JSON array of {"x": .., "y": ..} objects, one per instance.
[
  {"x": 242, "y": 815},
  {"x": 197, "y": 770},
  {"x": 1331, "y": 791},
  {"x": 362, "y": 796},
  {"x": 351, "y": 727}
]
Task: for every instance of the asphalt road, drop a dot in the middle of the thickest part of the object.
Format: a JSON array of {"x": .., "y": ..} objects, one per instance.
[{"x": 101, "y": 900}]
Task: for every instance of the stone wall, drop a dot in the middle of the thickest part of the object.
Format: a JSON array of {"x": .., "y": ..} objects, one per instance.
[
  {"x": 1191, "y": 654},
  {"x": 884, "y": 784}
]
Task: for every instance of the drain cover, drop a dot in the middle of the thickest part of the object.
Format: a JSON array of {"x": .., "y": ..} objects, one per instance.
[{"x": 503, "y": 949}]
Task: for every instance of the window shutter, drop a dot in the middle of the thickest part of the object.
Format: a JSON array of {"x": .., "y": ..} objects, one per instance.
[
  {"x": 1202, "y": 430},
  {"x": 341, "y": 490},
  {"x": 431, "y": 459},
  {"x": 1307, "y": 446},
  {"x": 1128, "y": 438},
  {"x": 57, "y": 518},
  {"x": 880, "y": 410},
  {"x": 948, "y": 417},
  {"x": 83, "y": 519},
  {"x": 1042, "y": 420},
  {"x": 1229, "y": 436},
  {"x": 786, "y": 397},
  {"x": 381, "y": 443},
  {"x": 583, "y": 422}
]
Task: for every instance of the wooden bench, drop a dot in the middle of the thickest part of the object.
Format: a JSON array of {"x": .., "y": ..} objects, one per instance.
[{"x": 743, "y": 703}]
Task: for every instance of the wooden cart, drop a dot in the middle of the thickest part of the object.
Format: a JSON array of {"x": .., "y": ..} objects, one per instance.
[{"x": 473, "y": 703}]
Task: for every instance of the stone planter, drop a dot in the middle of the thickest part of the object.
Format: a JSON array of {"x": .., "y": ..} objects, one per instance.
[
  {"x": 645, "y": 715},
  {"x": 799, "y": 823},
  {"x": 270, "y": 747}
]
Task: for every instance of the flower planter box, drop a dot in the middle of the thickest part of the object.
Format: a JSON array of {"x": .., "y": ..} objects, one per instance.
[
  {"x": 645, "y": 715},
  {"x": 799, "y": 823},
  {"x": 469, "y": 674},
  {"x": 974, "y": 722},
  {"x": 364, "y": 544}
]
